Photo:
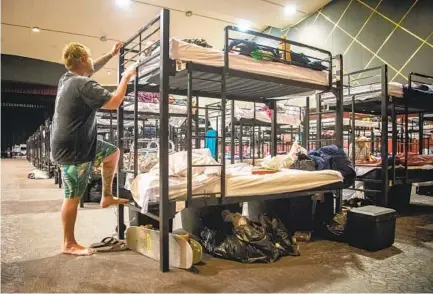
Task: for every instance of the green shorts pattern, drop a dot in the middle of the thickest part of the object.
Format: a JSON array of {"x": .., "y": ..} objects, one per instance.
[{"x": 76, "y": 176}]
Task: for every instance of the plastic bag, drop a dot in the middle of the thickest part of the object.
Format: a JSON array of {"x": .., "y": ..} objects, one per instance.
[
  {"x": 252, "y": 233},
  {"x": 278, "y": 162},
  {"x": 247, "y": 241},
  {"x": 279, "y": 235},
  {"x": 230, "y": 247}
]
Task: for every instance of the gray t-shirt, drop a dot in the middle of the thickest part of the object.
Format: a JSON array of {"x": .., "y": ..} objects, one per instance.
[{"x": 73, "y": 138}]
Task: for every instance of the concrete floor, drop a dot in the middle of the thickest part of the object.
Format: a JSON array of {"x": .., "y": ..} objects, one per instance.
[{"x": 31, "y": 238}]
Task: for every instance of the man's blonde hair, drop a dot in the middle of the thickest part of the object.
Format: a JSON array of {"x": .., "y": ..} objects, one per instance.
[{"x": 72, "y": 54}]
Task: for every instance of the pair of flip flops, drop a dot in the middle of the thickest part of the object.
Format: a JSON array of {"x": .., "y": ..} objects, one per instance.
[{"x": 109, "y": 244}]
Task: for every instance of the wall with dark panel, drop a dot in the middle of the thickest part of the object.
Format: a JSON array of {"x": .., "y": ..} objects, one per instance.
[
  {"x": 372, "y": 32},
  {"x": 22, "y": 114},
  {"x": 28, "y": 70}
]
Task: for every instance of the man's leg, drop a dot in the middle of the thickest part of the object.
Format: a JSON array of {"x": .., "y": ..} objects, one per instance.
[
  {"x": 108, "y": 155},
  {"x": 75, "y": 178}
]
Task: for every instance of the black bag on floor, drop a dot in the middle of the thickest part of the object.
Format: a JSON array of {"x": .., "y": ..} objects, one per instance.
[
  {"x": 230, "y": 247},
  {"x": 249, "y": 241}
]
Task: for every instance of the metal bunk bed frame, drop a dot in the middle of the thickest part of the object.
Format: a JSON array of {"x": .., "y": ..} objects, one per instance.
[
  {"x": 395, "y": 106},
  {"x": 227, "y": 77},
  {"x": 252, "y": 124}
]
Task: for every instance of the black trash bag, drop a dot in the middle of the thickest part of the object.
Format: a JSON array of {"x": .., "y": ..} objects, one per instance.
[
  {"x": 283, "y": 240},
  {"x": 252, "y": 233},
  {"x": 230, "y": 247}
]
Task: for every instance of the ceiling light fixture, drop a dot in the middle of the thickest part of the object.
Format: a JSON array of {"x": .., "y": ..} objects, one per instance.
[
  {"x": 244, "y": 25},
  {"x": 109, "y": 73},
  {"x": 35, "y": 29},
  {"x": 188, "y": 13},
  {"x": 290, "y": 9},
  {"x": 123, "y": 3}
]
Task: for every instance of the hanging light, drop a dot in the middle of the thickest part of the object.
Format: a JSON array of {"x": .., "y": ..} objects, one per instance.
[
  {"x": 290, "y": 9},
  {"x": 123, "y": 3},
  {"x": 36, "y": 29},
  {"x": 244, "y": 25}
]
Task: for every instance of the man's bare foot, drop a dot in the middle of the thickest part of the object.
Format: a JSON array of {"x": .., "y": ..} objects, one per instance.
[
  {"x": 76, "y": 249},
  {"x": 110, "y": 200}
]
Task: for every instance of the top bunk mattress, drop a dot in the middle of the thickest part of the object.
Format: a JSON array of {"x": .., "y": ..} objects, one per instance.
[
  {"x": 363, "y": 93},
  {"x": 183, "y": 52}
]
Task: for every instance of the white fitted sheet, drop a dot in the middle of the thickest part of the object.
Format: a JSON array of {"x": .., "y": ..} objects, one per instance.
[
  {"x": 184, "y": 52},
  {"x": 145, "y": 187},
  {"x": 362, "y": 170},
  {"x": 362, "y": 92}
]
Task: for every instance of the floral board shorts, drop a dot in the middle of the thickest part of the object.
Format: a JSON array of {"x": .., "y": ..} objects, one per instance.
[{"x": 76, "y": 176}]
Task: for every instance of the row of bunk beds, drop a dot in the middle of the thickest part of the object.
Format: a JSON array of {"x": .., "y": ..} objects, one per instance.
[
  {"x": 399, "y": 135},
  {"x": 38, "y": 150},
  {"x": 194, "y": 178}
]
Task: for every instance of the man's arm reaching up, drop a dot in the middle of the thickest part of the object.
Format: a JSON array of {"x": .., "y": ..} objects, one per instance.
[
  {"x": 103, "y": 60},
  {"x": 119, "y": 94}
]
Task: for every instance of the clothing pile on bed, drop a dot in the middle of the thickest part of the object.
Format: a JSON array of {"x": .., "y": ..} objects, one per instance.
[
  {"x": 241, "y": 239},
  {"x": 334, "y": 157},
  {"x": 413, "y": 159},
  {"x": 326, "y": 158},
  {"x": 260, "y": 52}
]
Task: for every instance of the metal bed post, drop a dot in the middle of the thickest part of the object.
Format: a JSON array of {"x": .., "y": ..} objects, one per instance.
[
  {"x": 307, "y": 124},
  {"x": 241, "y": 151},
  {"x": 394, "y": 138},
  {"x": 253, "y": 143},
  {"x": 206, "y": 117},
  {"x": 260, "y": 151},
  {"x": 223, "y": 117},
  {"x": 197, "y": 123},
  {"x": 120, "y": 134},
  {"x": 135, "y": 137},
  {"x": 164, "y": 217},
  {"x": 406, "y": 140},
  {"x": 421, "y": 132},
  {"x": 352, "y": 139},
  {"x": 339, "y": 104},
  {"x": 291, "y": 136},
  {"x": 319, "y": 120},
  {"x": 274, "y": 144},
  {"x": 189, "y": 137},
  {"x": 233, "y": 129},
  {"x": 384, "y": 138}
]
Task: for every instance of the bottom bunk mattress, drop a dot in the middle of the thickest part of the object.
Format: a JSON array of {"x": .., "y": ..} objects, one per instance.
[
  {"x": 145, "y": 187},
  {"x": 415, "y": 173}
]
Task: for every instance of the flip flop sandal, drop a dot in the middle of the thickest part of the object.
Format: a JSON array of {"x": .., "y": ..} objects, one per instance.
[
  {"x": 107, "y": 241},
  {"x": 117, "y": 246}
]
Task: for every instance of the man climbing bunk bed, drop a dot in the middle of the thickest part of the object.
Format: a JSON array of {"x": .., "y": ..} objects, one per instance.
[
  {"x": 388, "y": 180},
  {"x": 177, "y": 67}
]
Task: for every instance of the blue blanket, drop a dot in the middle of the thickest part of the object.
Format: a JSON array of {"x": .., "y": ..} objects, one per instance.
[{"x": 333, "y": 157}]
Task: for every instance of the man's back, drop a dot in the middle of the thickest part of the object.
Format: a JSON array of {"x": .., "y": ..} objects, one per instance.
[{"x": 73, "y": 137}]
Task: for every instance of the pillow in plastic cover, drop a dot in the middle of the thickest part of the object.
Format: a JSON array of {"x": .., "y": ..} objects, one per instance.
[{"x": 278, "y": 162}]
